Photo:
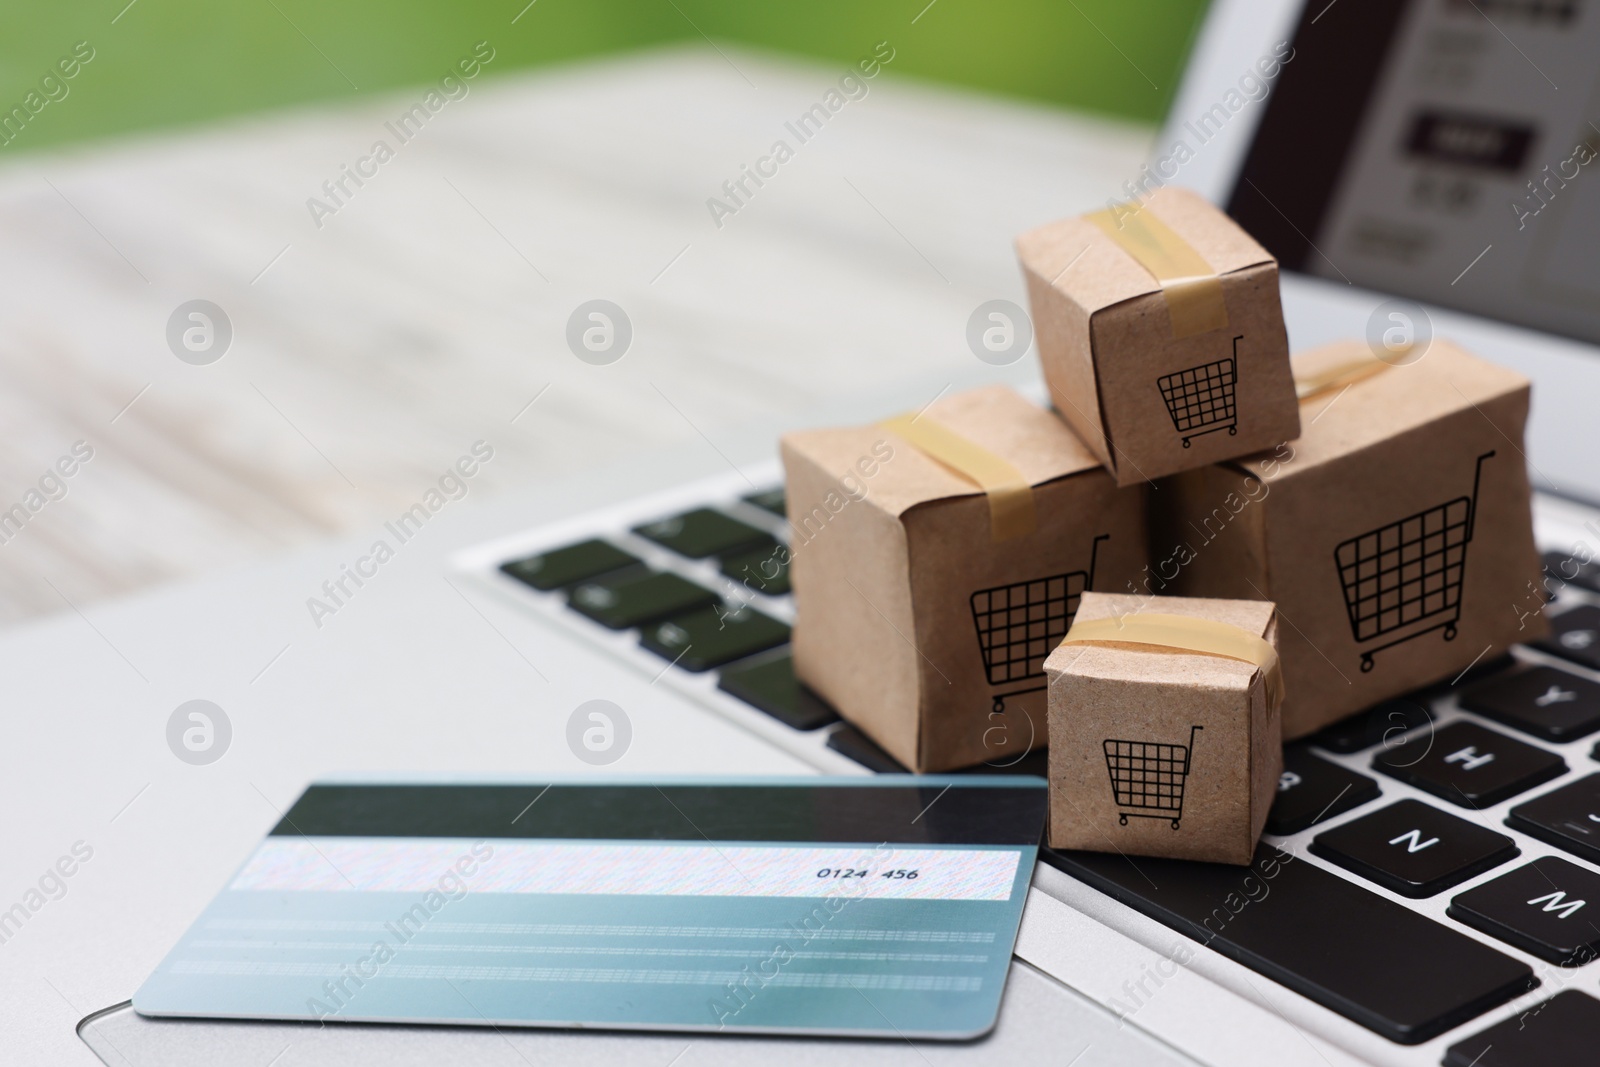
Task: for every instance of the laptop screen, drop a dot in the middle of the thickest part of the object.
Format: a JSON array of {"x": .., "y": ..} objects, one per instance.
[{"x": 1444, "y": 150}]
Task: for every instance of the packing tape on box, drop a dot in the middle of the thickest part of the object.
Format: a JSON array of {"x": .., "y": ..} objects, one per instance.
[
  {"x": 1192, "y": 290},
  {"x": 1011, "y": 512},
  {"x": 1309, "y": 386},
  {"x": 1188, "y": 634}
]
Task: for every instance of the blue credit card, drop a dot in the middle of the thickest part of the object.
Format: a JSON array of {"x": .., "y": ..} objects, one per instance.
[{"x": 882, "y": 907}]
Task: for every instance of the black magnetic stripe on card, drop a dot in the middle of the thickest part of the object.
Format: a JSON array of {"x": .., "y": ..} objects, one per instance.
[{"x": 913, "y": 814}]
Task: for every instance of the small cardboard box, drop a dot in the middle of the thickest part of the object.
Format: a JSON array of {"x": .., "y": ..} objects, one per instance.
[
  {"x": 1161, "y": 376},
  {"x": 1163, "y": 751},
  {"x": 1395, "y": 536},
  {"x": 913, "y": 620}
]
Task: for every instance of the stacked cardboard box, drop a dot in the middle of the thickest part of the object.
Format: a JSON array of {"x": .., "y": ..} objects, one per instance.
[
  {"x": 925, "y": 604},
  {"x": 1173, "y": 703},
  {"x": 941, "y": 556},
  {"x": 1161, "y": 335},
  {"x": 1396, "y": 535}
]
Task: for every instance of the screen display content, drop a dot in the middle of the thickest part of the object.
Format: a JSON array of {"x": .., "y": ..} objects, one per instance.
[{"x": 1445, "y": 150}]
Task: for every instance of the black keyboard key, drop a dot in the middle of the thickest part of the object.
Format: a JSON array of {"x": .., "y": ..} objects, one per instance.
[
  {"x": 632, "y": 599},
  {"x": 1544, "y": 701},
  {"x": 769, "y": 500},
  {"x": 1373, "y": 726},
  {"x": 769, "y": 685},
  {"x": 1312, "y": 789},
  {"x": 851, "y": 742},
  {"x": 848, "y": 741},
  {"x": 766, "y": 570},
  {"x": 1475, "y": 673},
  {"x": 702, "y": 532},
  {"x": 1562, "y": 567},
  {"x": 1548, "y": 907},
  {"x": 1575, "y": 635},
  {"x": 1414, "y": 849},
  {"x": 713, "y": 636},
  {"x": 1374, "y": 961},
  {"x": 1563, "y": 1031},
  {"x": 1568, "y": 818},
  {"x": 561, "y": 567},
  {"x": 1467, "y": 764}
]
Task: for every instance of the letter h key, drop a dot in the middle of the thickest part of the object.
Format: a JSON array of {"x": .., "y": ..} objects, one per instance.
[
  {"x": 1468, "y": 765},
  {"x": 1469, "y": 758}
]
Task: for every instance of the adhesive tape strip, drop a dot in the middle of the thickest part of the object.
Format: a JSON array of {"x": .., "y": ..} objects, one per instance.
[
  {"x": 1188, "y": 634},
  {"x": 1192, "y": 290},
  {"x": 1011, "y": 511}
]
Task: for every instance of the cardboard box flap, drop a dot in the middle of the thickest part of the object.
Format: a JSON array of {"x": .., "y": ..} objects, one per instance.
[
  {"x": 1383, "y": 405},
  {"x": 1102, "y": 274},
  {"x": 994, "y": 417},
  {"x": 1147, "y": 663}
]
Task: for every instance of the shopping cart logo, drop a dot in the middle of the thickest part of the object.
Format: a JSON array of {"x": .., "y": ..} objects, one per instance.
[
  {"x": 1020, "y": 624},
  {"x": 1201, "y": 399},
  {"x": 1404, "y": 580},
  {"x": 1147, "y": 777}
]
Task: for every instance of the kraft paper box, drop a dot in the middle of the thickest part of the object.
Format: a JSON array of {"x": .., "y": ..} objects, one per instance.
[
  {"x": 1161, "y": 376},
  {"x": 914, "y": 618},
  {"x": 1163, "y": 751},
  {"x": 1395, "y": 536}
]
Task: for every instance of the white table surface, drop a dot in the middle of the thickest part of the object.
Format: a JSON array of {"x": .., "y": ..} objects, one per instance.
[
  {"x": 389, "y": 341},
  {"x": 431, "y": 308}
]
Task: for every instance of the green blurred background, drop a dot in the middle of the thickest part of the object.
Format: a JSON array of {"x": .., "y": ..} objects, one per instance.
[{"x": 164, "y": 63}]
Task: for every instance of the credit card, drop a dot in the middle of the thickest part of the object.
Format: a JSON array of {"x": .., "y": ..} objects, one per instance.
[{"x": 862, "y": 907}]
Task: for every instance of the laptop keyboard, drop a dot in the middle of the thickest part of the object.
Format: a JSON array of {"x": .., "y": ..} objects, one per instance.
[
  {"x": 704, "y": 532},
  {"x": 1575, "y": 635},
  {"x": 1393, "y": 970},
  {"x": 1414, "y": 849},
  {"x": 1468, "y": 765},
  {"x": 1394, "y": 802},
  {"x": 1312, "y": 790},
  {"x": 1544, "y": 702}
]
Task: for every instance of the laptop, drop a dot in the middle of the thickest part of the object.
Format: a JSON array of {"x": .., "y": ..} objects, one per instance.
[{"x": 1416, "y": 167}]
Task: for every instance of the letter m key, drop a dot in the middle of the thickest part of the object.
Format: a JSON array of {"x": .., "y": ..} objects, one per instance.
[{"x": 1554, "y": 902}]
